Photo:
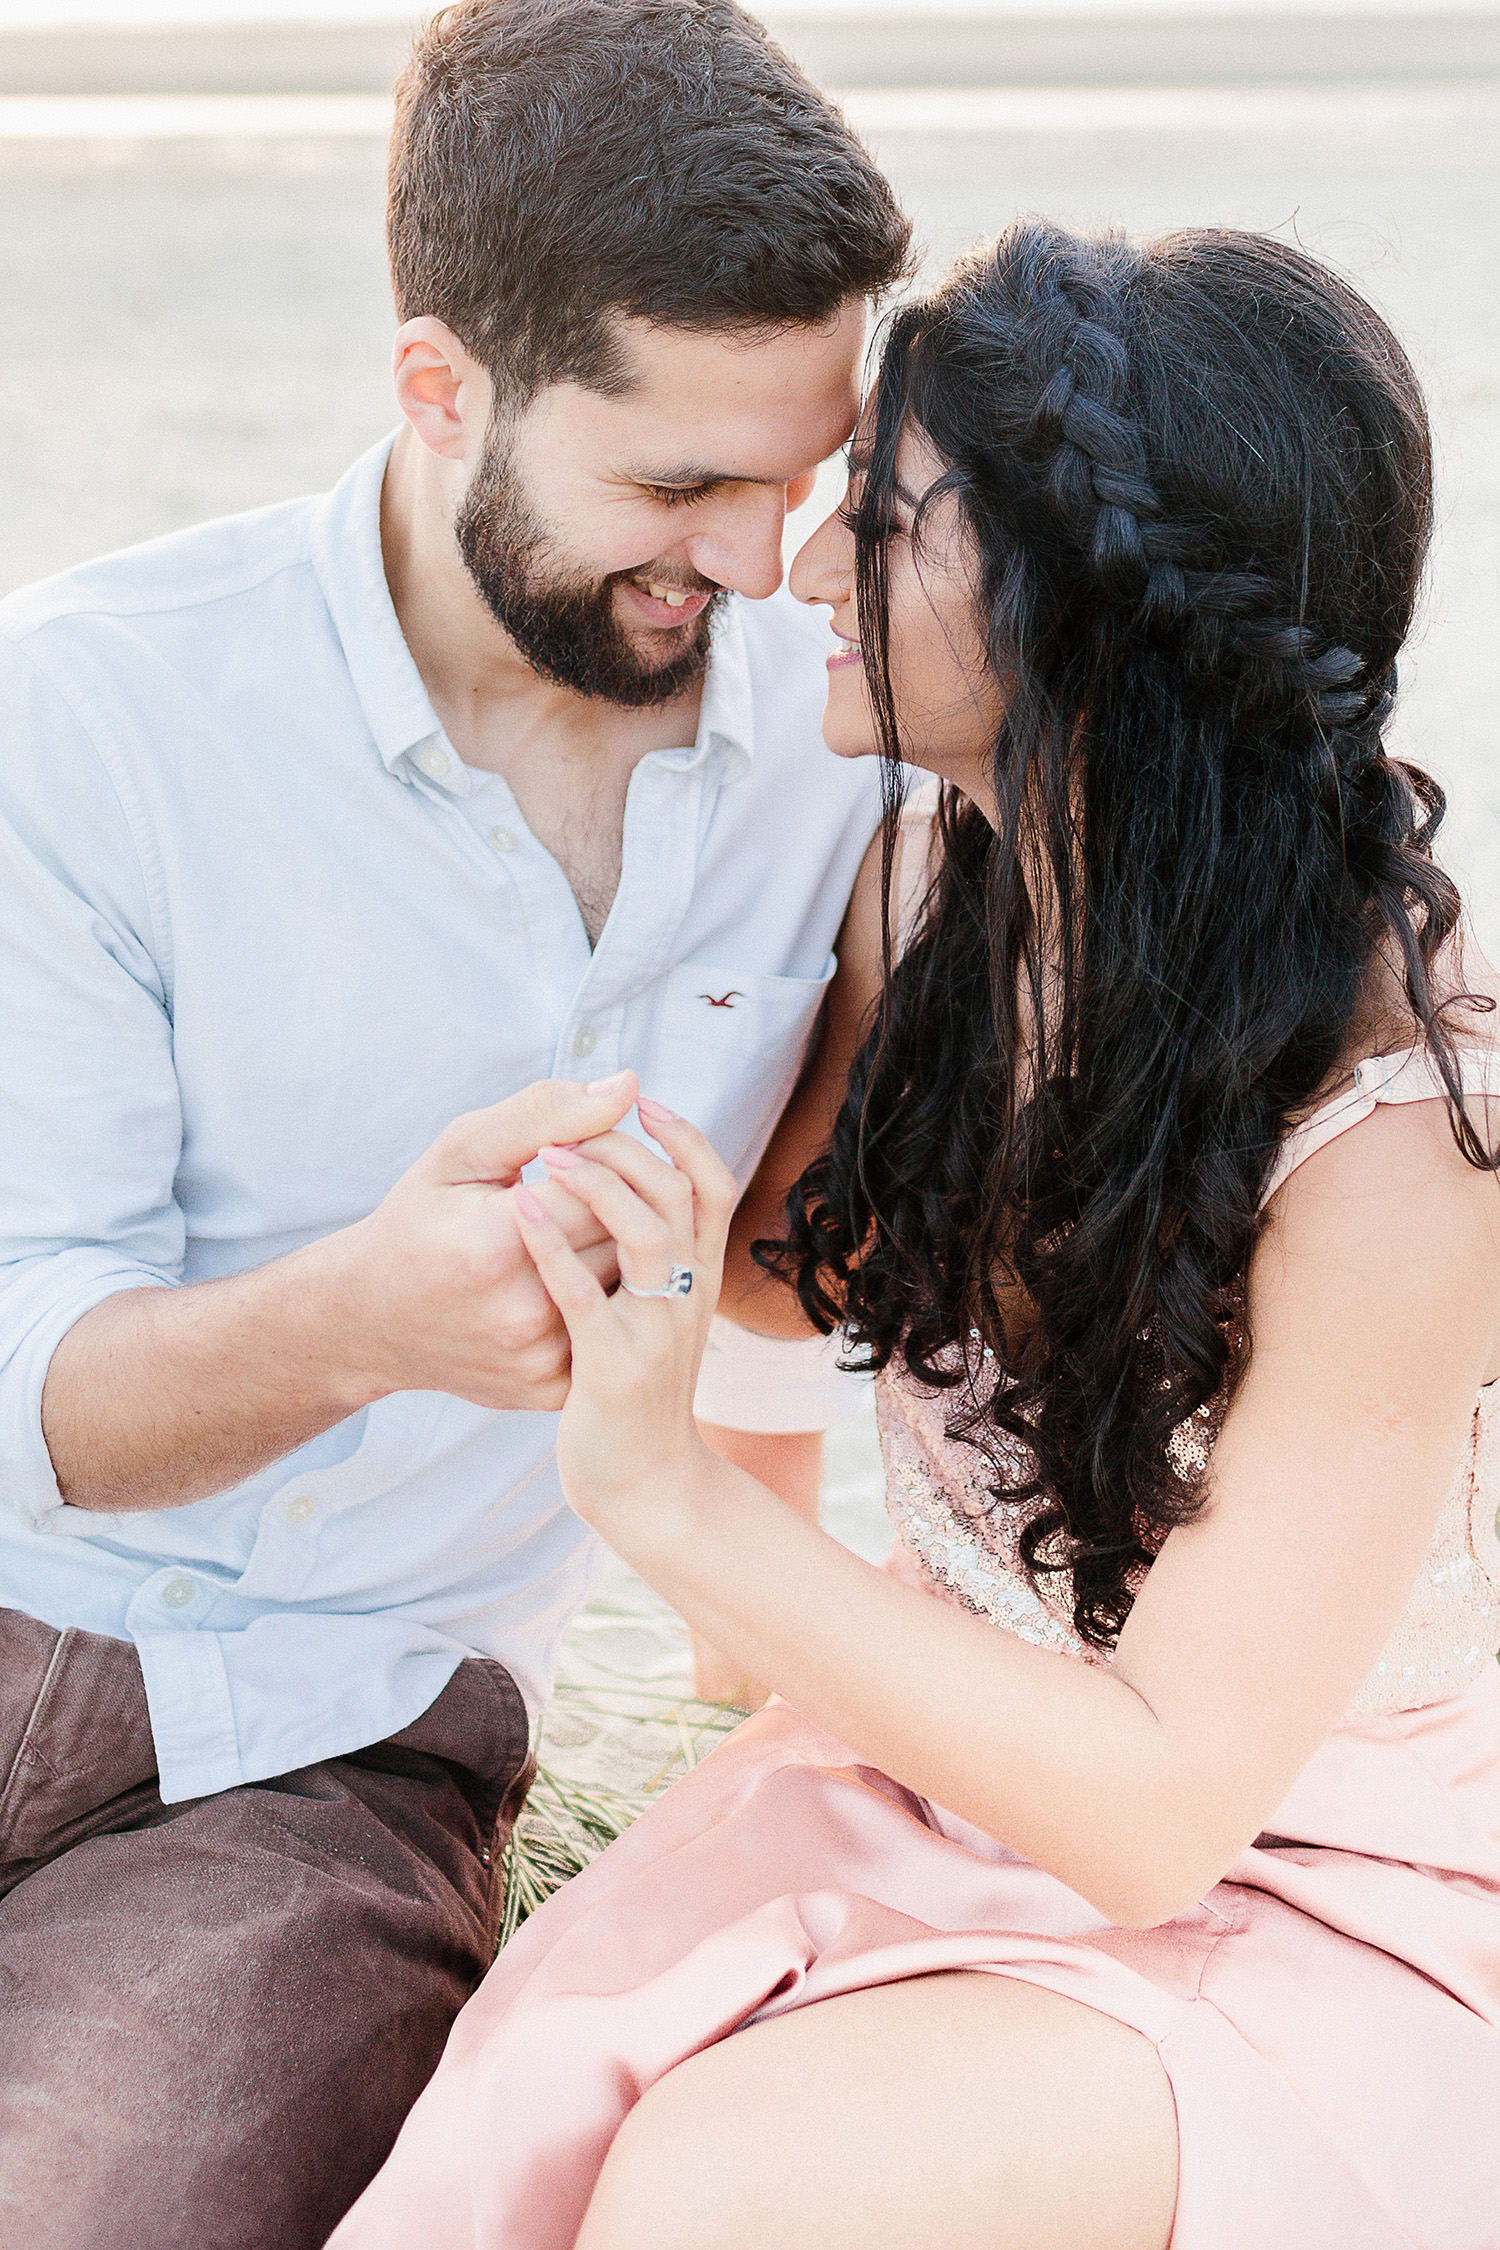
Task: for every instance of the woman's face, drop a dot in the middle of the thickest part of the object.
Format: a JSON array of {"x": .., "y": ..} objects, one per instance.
[{"x": 948, "y": 702}]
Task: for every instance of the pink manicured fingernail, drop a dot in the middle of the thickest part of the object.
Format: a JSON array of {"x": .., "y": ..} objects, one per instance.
[
  {"x": 560, "y": 1158},
  {"x": 655, "y": 1113},
  {"x": 609, "y": 1085},
  {"x": 527, "y": 1204}
]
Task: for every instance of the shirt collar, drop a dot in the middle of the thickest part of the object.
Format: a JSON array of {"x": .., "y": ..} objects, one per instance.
[
  {"x": 726, "y": 713},
  {"x": 350, "y": 568}
]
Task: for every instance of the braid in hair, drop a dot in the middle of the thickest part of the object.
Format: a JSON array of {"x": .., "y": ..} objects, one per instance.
[{"x": 1197, "y": 477}]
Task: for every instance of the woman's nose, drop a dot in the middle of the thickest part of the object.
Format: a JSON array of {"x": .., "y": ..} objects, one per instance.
[{"x": 823, "y": 569}]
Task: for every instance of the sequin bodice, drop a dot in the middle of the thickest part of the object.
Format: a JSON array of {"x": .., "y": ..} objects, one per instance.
[{"x": 940, "y": 1491}]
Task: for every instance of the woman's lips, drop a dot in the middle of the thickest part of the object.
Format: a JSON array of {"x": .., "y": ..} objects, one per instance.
[
  {"x": 654, "y": 609},
  {"x": 846, "y": 654}
]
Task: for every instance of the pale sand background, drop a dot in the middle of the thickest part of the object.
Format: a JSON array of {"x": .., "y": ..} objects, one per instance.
[
  {"x": 197, "y": 325},
  {"x": 201, "y": 324}
]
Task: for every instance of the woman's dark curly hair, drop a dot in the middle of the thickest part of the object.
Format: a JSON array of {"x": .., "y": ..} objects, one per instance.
[{"x": 1197, "y": 475}]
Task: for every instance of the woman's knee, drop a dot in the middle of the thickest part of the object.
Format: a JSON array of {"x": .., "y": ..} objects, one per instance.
[
  {"x": 1014, "y": 2117},
  {"x": 666, "y": 2183}
]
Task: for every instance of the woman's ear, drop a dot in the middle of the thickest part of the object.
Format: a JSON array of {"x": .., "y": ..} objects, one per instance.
[{"x": 442, "y": 389}]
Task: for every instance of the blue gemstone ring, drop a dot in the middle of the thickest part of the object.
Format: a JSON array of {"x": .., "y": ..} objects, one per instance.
[{"x": 679, "y": 1284}]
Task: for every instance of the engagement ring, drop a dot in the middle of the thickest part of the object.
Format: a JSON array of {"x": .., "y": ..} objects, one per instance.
[{"x": 679, "y": 1283}]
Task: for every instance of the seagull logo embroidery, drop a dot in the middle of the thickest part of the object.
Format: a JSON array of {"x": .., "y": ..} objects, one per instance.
[{"x": 727, "y": 1002}]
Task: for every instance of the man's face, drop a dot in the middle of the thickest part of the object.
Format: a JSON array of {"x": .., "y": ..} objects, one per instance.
[{"x": 602, "y": 531}]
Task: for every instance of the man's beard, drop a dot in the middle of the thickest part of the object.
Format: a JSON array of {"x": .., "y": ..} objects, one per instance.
[{"x": 565, "y": 628}]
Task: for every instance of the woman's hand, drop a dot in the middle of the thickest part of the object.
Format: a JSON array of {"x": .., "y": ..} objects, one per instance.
[{"x": 627, "y": 1433}]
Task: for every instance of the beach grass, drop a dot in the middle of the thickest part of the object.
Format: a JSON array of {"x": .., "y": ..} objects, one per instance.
[{"x": 648, "y": 1736}]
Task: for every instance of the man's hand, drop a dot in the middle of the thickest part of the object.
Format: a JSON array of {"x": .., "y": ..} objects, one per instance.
[
  {"x": 161, "y": 1396},
  {"x": 441, "y": 1293}
]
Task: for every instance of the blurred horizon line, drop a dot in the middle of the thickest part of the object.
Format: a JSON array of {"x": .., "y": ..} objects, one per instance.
[
  {"x": 163, "y": 15},
  {"x": 1350, "y": 109}
]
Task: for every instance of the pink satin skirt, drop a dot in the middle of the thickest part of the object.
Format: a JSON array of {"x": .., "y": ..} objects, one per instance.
[{"x": 1329, "y": 2015}]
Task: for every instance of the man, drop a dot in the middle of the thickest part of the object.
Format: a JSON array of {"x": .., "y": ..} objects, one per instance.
[{"x": 326, "y": 830}]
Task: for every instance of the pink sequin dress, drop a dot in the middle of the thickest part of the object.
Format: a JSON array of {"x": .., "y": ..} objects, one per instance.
[{"x": 1328, "y": 2016}]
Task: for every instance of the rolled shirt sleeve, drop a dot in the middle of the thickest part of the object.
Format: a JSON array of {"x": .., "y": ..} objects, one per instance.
[{"x": 90, "y": 1114}]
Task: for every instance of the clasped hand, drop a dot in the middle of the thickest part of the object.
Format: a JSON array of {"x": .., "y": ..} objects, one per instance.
[
  {"x": 465, "y": 1281},
  {"x": 435, "y": 1289},
  {"x": 627, "y": 1426}
]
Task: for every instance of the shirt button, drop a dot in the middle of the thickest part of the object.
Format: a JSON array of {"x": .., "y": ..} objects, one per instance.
[
  {"x": 502, "y": 839},
  {"x": 302, "y": 1509},
  {"x": 178, "y": 1592},
  {"x": 585, "y": 1039},
  {"x": 432, "y": 760}
]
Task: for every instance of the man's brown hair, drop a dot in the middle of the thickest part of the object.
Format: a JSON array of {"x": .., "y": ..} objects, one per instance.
[{"x": 559, "y": 162}]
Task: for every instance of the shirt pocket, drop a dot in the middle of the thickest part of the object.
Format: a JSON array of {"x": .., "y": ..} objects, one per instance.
[{"x": 729, "y": 1050}]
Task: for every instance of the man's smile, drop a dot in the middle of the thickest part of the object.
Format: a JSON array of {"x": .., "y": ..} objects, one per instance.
[{"x": 653, "y": 602}]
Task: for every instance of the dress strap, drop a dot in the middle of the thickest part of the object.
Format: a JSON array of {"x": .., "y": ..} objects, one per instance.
[{"x": 1409, "y": 1077}]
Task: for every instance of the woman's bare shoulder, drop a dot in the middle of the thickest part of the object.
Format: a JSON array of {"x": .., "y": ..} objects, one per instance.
[
  {"x": 1389, "y": 1229},
  {"x": 1465, "y": 986}
]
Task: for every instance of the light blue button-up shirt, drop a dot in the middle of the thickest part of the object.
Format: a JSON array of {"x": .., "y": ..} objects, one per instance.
[{"x": 265, "y": 936}]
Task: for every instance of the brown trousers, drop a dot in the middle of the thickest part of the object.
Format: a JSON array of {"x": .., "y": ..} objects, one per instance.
[{"x": 215, "y": 2015}]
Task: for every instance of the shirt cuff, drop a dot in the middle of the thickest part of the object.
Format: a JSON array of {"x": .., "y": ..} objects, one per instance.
[
  {"x": 39, "y": 1302},
  {"x": 774, "y": 1386}
]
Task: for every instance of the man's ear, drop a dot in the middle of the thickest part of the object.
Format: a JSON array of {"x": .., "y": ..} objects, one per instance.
[{"x": 441, "y": 389}]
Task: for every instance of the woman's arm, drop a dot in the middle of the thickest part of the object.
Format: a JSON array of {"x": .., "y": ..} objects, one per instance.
[
  {"x": 1373, "y": 1302},
  {"x": 791, "y": 1466}
]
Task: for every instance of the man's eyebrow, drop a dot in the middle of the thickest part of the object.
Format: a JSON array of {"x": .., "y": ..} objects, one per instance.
[{"x": 686, "y": 476}]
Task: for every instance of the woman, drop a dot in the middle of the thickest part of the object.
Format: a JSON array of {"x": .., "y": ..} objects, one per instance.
[{"x": 1161, "y": 1196}]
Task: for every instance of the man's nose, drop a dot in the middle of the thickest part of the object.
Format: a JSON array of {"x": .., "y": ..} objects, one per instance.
[{"x": 741, "y": 546}]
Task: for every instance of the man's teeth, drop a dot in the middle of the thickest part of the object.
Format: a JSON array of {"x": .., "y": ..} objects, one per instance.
[{"x": 673, "y": 596}]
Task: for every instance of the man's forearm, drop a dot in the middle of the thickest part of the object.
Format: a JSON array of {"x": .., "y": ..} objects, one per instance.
[
  {"x": 162, "y": 1396},
  {"x": 158, "y": 1397}
]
